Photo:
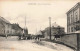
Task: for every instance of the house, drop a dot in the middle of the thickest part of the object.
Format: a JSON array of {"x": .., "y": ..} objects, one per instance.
[
  {"x": 73, "y": 19},
  {"x": 8, "y": 29},
  {"x": 16, "y": 29},
  {"x": 55, "y": 30},
  {"x": 7, "y": 26}
]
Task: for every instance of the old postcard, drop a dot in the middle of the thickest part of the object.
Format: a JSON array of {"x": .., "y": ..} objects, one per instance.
[{"x": 39, "y": 25}]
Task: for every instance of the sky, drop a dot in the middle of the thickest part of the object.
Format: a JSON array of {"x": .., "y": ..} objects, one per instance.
[{"x": 37, "y": 12}]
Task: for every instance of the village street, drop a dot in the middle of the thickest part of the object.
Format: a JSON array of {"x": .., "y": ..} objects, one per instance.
[{"x": 30, "y": 45}]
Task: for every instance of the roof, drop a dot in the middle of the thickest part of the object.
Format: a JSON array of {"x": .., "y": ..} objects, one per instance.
[
  {"x": 39, "y": 33},
  {"x": 55, "y": 25},
  {"x": 73, "y": 7},
  {"x": 4, "y": 20},
  {"x": 2, "y": 23},
  {"x": 16, "y": 27}
]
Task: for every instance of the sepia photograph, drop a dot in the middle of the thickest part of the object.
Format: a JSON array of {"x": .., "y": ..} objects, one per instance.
[{"x": 39, "y": 25}]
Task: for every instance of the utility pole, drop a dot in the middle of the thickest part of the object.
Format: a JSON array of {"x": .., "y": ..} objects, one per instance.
[
  {"x": 25, "y": 23},
  {"x": 50, "y": 26}
]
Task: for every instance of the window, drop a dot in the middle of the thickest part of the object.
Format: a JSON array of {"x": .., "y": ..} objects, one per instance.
[
  {"x": 77, "y": 28},
  {"x": 72, "y": 29},
  {"x": 7, "y": 31},
  {"x": 68, "y": 20},
  {"x": 69, "y": 29},
  {"x": 76, "y": 17},
  {"x": 4, "y": 31},
  {"x": 71, "y": 19}
]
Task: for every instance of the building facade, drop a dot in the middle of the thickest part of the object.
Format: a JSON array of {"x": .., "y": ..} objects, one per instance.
[
  {"x": 46, "y": 33},
  {"x": 73, "y": 19},
  {"x": 55, "y": 30},
  {"x": 2, "y": 28},
  {"x": 8, "y": 29},
  {"x": 17, "y": 30}
]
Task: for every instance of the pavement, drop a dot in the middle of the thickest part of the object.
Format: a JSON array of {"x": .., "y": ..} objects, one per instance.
[{"x": 30, "y": 45}]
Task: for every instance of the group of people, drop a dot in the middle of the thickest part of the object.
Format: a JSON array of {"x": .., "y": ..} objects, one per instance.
[{"x": 37, "y": 37}]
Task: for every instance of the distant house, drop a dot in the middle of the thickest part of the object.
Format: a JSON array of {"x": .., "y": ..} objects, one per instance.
[
  {"x": 58, "y": 30},
  {"x": 55, "y": 30},
  {"x": 46, "y": 33},
  {"x": 16, "y": 29},
  {"x": 40, "y": 33}
]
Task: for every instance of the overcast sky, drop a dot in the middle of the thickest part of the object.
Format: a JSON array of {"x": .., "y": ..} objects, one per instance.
[{"x": 36, "y": 13}]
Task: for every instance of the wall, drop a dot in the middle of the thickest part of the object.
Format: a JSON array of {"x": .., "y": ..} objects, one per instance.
[
  {"x": 2, "y": 29},
  {"x": 78, "y": 42},
  {"x": 7, "y": 28},
  {"x": 69, "y": 39},
  {"x": 13, "y": 31}
]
